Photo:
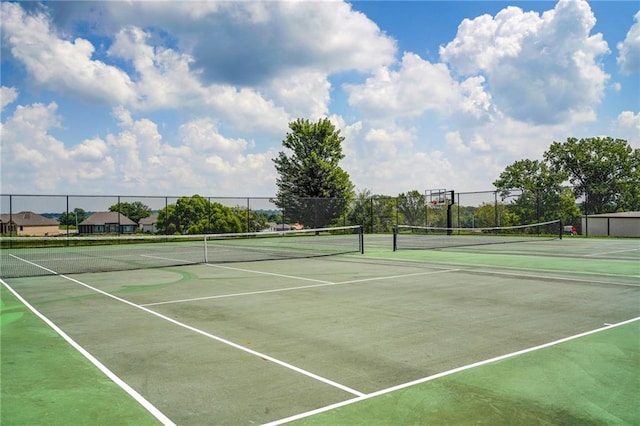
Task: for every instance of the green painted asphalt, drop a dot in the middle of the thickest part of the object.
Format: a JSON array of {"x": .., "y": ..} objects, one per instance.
[
  {"x": 47, "y": 382},
  {"x": 593, "y": 380}
]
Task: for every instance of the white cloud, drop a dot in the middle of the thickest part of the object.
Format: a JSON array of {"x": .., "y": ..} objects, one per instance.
[
  {"x": 135, "y": 159},
  {"x": 7, "y": 96},
  {"x": 454, "y": 140},
  {"x": 627, "y": 126},
  {"x": 324, "y": 36},
  {"x": 90, "y": 150},
  {"x": 164, "y": 78},
  {"x": 301, "y": 94},
  {"x": 29, "y": 153},
  {"x": 629, "y": 50},
  {"x": 166, "y": 81},
  {"x": 540, "y": 69},
  {"x": 202, "y": 136},
  {"x": 204, "y": 92},
  {"x": 418, "y": 86},
  {"x": 228, "y": 40},
  {"x": 62, "y": 65},
  {"x": 388, "y": 142}
]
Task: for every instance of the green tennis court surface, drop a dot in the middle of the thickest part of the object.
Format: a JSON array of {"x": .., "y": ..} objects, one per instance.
[{"x": 525, "y": 333}]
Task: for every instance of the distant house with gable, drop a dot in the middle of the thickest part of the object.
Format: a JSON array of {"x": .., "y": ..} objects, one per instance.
[
  {"x": 148, "y": 224},
  {"x": 28, "y": 224},
  {"x": 107, "y": 223}
]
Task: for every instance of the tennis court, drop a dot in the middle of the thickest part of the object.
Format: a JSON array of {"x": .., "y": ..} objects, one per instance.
[{"x": 542, "y": 331}]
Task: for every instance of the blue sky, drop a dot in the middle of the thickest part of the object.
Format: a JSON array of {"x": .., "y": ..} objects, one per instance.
[{"x": 177, "y": 98}]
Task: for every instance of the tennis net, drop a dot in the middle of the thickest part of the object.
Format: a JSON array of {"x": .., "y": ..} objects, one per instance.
[
  {"x": 32, "y": 256},
  {"x": 425, "y": 237}
]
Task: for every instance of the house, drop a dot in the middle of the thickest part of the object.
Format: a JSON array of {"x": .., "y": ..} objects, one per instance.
[
  {"x": 278, "y": 227},
  {"x": 107, "y": 223},
  {"x": 148, "y": 224},
  {"x": 28, "y": 224},
  {"x": 624, "y": 224}
]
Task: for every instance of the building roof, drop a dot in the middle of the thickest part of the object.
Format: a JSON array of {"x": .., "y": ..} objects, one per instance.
[
  {"x": 619, "y": 214},
  {"x": 150, "y": 220},
  {"x": 28, "y": 219},
  {"x": 102, "y": 218}
]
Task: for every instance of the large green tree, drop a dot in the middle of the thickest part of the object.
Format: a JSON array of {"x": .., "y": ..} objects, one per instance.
[
  {"x": 412, "y": 208},
  {"x": 134, "y": 211},
  {"x": 361, "y": 212},
  {"x": 603, "y": 170},
  {"x": 74, "y": 217},
  {"x": 196, "y": 215},
  {"x": 537, "y": 191},
  {"x": 312, "y": 188}
]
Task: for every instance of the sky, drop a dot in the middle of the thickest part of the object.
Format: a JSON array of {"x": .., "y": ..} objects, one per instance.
[{"x": 194, "y": 97}]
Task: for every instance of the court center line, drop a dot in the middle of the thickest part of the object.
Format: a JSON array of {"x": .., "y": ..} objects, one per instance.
[
  {"x": 204, "y": 333},
  {"x": 110, "y": 374},
  {"x": 241, "y": 270},
  {"x": 445, "y": 373},
  {"x": 278, "y": 290}
]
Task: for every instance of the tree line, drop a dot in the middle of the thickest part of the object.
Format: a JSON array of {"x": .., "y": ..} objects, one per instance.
[
  {"x": 575, "y": 177},
  {"x": 578, "y": 176}
]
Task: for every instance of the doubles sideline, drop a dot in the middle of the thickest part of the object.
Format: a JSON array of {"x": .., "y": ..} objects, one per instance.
[{"x": 444, "y": 373}]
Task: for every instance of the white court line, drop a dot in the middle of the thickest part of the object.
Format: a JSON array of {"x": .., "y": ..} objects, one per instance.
[
  {"x": 278, "y": 290},
  {"x": 554, "y": 278},
  {"x": 468, "y": 267},
  {"x": 209, "y": 335},
  {"x": 443, "y": 374},
  {"x": 111, "y": 375},
  {"x": 611, "y": 252}
]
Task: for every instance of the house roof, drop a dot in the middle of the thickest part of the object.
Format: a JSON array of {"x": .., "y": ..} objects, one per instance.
[
  {"x": 28, "y": 219},
  {"x": 102, "y": 218},
  {"x": 150, "y": 220}
]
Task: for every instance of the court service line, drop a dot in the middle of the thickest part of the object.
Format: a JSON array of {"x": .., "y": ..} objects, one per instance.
[
  {"x": 467, "y": 267},
  {"x": 110, "y": 374},
  {"x": 552, "y": 278},
  {"x": 278, "y": 290},
  {"x": 242, "y": 270},
  {"x": 204, "y": 333},
  {"x": 611, "y": 252},
  {"x": 446, "y": 373}
]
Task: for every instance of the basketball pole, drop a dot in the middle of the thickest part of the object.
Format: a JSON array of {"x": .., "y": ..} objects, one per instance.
[{"x": 450, "y": 214}]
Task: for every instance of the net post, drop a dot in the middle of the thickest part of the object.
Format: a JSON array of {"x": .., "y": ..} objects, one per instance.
[
  {"x": 449, "y": 213},
  {"x": 395, "y": 238},
  {"x": 361, "y": 238},
  {"x": 561, "y": 229},
  {"x": 206, "y": 254}
]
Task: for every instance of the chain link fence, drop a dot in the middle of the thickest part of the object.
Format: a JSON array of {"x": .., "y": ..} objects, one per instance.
[{"x": 40, "y": 215}]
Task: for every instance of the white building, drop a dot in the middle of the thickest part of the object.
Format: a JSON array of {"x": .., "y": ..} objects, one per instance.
[{"x": 625, "y": 224}]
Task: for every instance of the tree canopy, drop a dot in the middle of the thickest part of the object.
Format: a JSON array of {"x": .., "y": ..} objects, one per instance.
[
  {"x": 604, "y": 170},
  {"x": 134, "y": 211},
  {"x": 539, "y": 194},
  {"x": 312, "y": 188},
  {"x": 196, "y": 215},
  {"x": 73, "y": 217}
]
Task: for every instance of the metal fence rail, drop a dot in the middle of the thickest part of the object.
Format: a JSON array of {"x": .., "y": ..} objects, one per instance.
[{"x": 208, "y": 214}]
